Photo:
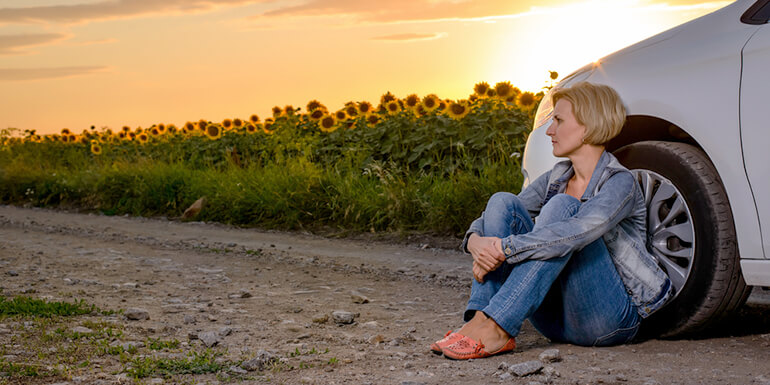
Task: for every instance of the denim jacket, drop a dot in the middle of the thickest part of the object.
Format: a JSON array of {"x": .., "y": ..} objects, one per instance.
[{"x": 612, "y": 208}]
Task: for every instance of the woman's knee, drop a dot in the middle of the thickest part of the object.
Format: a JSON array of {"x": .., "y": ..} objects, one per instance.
[
  {"x": 560, "y": 206},
  {"x": 502, "y": 199}
]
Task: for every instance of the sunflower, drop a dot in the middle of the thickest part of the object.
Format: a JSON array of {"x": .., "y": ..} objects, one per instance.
[
  {"x": 430, "y": 102},
  {"x": 365, "y": 108},
  {"x": 65, "y": 131},
  {"x": 213, "y": 131},
  {"x": 351, "y": 109},
  {"x": 82, "y": 140},
  {"x": 316, "y": 114},
  {"x": 154, "y": 131},
  {"x": 268, "y": 126},
  {"x": 554, "y": 75},
  {"x": 237, "y": 123},
  {"x": 491, "y": 93},
  {"x": 189, "y": 126},
  {"x": 412, "y": 101},
  {"x": 96, "y": 149},
  {"x": 458, "y": 110},
  {"x": 227, "y": 124},
  {"x": 126, "y": 129},
  {"x": 143, "y": 137},
  {"x": 131, "y": 136},
  {"x": 327, "y": 123},
  {"x": 277, "y": 111},
  {"x": 202, "y": 124},
  {"x": 251, "y": 128},
  {"x": 341, "y": 115},
  {"x": 387, "y": 97},
  {"x": 473, "y": 98},
  {"x": 373, "y": 119},
  {"x": 171, "y": 129},
  {"x": 393, "y": 107},
  {"x": 289, "y": 110},
  {"x": 480, "y": 89},
  {"x": 254, "y": 118},
  {"x": 161, "y": 128},
  {"x": 442, "y": 105},
  {"x": 526, "y": 99},
  {"x": 122, "y": 135},
  {"x": 503, "y": 89},
  {"x": 314, "y": 105}
]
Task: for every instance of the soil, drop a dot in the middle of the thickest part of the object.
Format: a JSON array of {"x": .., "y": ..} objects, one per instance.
[{"x": 264, "y": 291}]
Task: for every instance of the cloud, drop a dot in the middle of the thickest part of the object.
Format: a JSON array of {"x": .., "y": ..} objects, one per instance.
[
  {"x": 95, "y": 42},
  {"x": 405, "y": 10},
  {"x": 13, "y": 44},
  {"x": 111, "y": 9},
  {"x": 410, "y": 37},
  {"x": 25, "y": 74},
  {"x": 394, "y": 11}
]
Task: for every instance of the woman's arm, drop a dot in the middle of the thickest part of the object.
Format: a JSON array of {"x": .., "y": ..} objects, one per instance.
[
  {"x": 487, "y": 255},
  {"x": 531, "y": 197},
  {"x": 594, "y": 218}
]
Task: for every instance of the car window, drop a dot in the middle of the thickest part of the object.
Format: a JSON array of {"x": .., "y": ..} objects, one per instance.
[{"x": 759, "y": 13}]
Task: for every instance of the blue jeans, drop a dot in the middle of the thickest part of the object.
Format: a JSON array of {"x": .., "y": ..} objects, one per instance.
[{"x": 578, "y": 298}]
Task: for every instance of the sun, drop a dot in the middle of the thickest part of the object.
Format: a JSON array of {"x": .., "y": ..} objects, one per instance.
[{"x": 565, "y": 38}]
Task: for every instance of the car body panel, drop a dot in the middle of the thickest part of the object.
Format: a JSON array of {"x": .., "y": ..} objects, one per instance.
[
  {"x": 672, "y": 77},
  {"x": 755, "y": 124}
]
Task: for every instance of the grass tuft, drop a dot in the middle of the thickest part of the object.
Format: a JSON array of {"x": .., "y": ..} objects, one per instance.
[{"x": 33, "y": 307}]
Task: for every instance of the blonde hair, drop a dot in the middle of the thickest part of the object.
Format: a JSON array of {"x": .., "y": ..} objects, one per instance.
[{"x": 595, "y": 106}]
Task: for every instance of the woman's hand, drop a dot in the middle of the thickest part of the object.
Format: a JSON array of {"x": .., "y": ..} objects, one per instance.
[
  {"x": 478, "y": 272},
  {"x": 487, "y": 254}
]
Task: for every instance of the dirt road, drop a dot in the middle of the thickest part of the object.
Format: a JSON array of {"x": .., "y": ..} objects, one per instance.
[{"x": 277, "y": 307}]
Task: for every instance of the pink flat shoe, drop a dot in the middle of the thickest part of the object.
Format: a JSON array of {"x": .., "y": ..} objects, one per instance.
[
  {"x": 449, "y": 338},
  {"x": 466, "y": 348}
]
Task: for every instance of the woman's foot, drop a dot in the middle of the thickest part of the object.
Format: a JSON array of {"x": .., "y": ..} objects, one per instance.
[
  {"x": 449, "y": 338},
  {"x": 485, "y": 330},
  {"x": 467, "y": 348}
]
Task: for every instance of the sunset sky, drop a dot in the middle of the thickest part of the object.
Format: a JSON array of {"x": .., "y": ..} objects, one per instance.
[{"x": 77, "y": 63}]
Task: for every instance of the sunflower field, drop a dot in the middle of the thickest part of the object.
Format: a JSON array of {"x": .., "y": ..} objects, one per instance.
[{"x": 407, "y": 164}]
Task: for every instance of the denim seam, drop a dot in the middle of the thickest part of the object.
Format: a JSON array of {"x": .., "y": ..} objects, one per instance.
[
  {"x": 616, "y": 332},
  {"x": 516, "y": 294}
]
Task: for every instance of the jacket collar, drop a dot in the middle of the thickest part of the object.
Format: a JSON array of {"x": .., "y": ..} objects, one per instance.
[{"x": 563, "y": 170}]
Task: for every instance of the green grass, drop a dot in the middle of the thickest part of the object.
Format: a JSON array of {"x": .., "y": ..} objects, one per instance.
[
  {"x": 158, "y": 344},
  {"x": 33, "y": 307},
  {"x": 194, "y": 363},
  {"x": 431, "y": 174}
]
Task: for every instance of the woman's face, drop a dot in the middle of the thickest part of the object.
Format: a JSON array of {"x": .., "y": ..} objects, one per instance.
[{"x": 565, "y": 131}]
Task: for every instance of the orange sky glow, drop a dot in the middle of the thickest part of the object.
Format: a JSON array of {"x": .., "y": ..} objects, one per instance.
[{"x": 109, "y": 63}]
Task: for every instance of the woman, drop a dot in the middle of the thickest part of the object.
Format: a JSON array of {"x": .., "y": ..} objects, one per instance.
[{"x": 568, "y": 253}]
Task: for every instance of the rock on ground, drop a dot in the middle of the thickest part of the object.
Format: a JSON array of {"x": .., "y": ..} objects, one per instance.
[{"x": 137, "y": 314}]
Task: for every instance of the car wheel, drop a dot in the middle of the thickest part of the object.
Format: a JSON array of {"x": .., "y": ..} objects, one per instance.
[{"x": 691, "y": 233}]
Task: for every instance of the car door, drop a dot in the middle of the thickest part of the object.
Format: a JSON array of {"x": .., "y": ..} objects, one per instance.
[{"x": 755, "y": 125}]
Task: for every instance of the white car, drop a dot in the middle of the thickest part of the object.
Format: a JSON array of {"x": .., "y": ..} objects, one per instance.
[{"x": 698, "y": 138}]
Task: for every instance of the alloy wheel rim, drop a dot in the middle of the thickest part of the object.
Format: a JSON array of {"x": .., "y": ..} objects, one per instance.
[{"x": 670, "y": 230}]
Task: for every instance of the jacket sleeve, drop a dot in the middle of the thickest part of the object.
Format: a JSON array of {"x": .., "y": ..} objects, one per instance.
[
  {"x": 612, "y": 203},
  {"x": 531, "y": 197}
]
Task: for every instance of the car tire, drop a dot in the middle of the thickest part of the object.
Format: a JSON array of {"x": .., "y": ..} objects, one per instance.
[{"x": 706, "y": 270}]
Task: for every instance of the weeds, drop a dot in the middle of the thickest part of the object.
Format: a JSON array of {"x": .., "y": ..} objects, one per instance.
[
  {"x": 33, "y": 307},
  {"x": 194, "y": 363},
  {"x": 158, "y": 344}
]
